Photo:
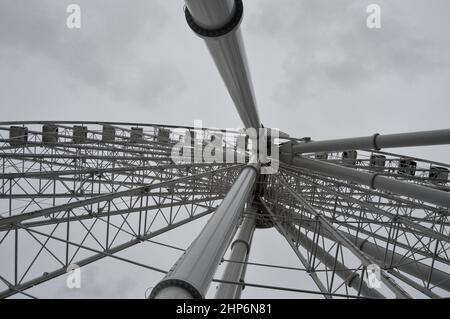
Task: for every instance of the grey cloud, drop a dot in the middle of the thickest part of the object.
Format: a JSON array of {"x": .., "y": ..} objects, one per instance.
[
  {"x": 110, "y": 52},
  {"x": 330, "y": 46},
  {"x": 98, "y": 282}
]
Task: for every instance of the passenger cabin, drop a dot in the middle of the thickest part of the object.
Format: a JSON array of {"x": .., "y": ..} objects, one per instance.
[
  {"x": 49, "y": 133},
  {"x": 439, "y": 175},
  {"x": 377, "y": 161},
  {"x": 407, "y": 167},
  {"x": 137, "y": 135},
  {"x": 79, "y": 134},
  {"x": 108, "y": 133},
  {"x": 163, "y": 135}
]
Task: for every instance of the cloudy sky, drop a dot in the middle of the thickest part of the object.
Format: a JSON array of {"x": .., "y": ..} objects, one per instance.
[{"x": 317, "y": 69}]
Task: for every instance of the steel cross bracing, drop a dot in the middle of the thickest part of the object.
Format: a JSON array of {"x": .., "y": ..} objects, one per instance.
[
  {"x": 391, "y": 167},
  {"x": 76, "y": 210},
  {"x": 407, "y": 239},
  {"x": 94, "y": 199}
]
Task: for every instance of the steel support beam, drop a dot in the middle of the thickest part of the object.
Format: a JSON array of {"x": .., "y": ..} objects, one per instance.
[
  {"x": 296, "y": 237},
  {"x": 191, "y": 275},
  {"x": 87, "y": 216},
  {"x": 403, "y": 263},
  {"x": 412, "y": 267},
  {"x": 414, "y": 284},
  {"x": 341, "y": 238},
  {"x": 142, "y": 190},
  {"x": 99, "y": 255},
  {"x": 351, "y": 278},
  {"x": 116, "y": 170},
  {"x": 240, "y": 249},
  {"x": 376, "y": 181},
  {"x": 282, "y": 230},
  {"x": 217, "y": 22},
  {"x": 403, "y": 219},
  {"x": 377, "y": 142},
  {"x": 355, "y": 189}
]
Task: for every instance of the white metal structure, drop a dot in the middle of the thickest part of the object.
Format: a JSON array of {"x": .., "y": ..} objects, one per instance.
[{"x": 83, "y": 191}]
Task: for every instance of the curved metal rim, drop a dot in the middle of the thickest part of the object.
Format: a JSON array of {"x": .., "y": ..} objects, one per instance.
[{"x": 115, "y": 123}]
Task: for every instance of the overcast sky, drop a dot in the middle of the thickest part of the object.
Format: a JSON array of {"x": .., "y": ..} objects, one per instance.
[{"x": 317, "y": 69}]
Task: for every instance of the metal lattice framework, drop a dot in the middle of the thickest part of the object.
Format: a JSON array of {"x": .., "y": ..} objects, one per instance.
[
  {"x": 77, "y": 192},
  {"x": 116, "y": 194}
]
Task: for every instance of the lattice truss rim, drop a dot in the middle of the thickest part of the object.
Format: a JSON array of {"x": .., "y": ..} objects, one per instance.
[{"x": 80, "y": 198}]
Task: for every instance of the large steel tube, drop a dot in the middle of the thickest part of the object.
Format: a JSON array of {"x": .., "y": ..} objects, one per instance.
[
  {"x": 191, "y": 275},
  {"x": 377, "y": 142},
  {"x": 376, "y": 181},
  {"x": 217, "y": 22},
  {"x": 240, "y": 250},
  {"x": 211, "y": 14}
]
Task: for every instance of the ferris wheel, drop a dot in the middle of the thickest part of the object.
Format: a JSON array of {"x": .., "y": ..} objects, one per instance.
[{"x": 361, "y": 222}]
